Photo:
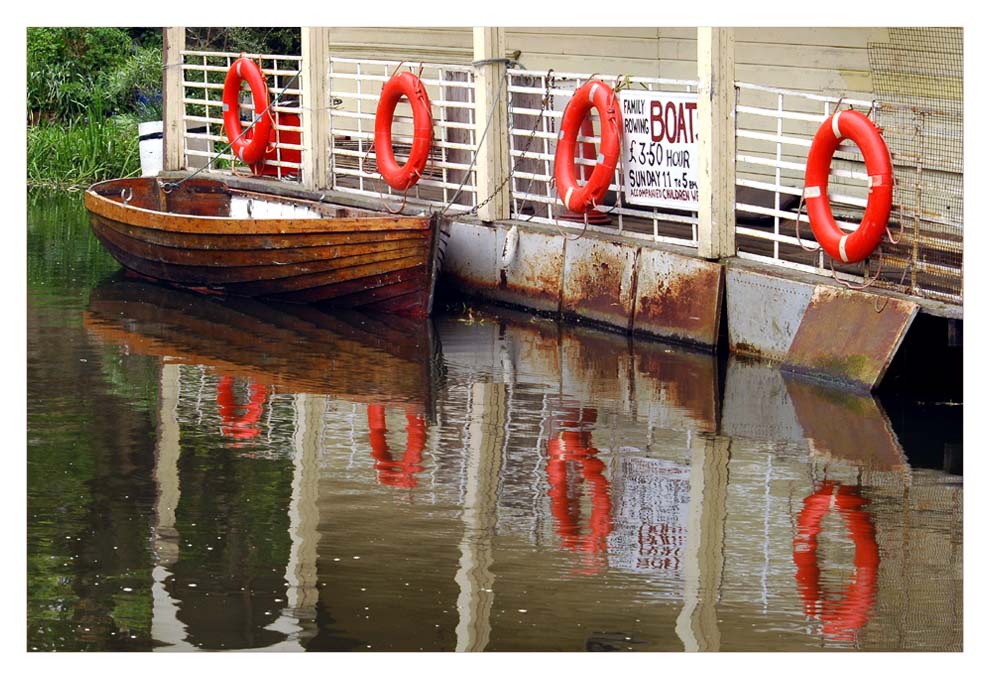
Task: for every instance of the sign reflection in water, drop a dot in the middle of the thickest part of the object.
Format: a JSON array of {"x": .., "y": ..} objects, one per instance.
[{"x": 523, "y": 475}]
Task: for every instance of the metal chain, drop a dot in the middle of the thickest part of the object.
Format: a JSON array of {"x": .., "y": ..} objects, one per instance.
[{"x": 547, "y": 102}]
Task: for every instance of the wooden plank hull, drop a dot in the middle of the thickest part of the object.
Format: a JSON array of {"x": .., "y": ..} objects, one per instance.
[{"x": 209, "y": 237}]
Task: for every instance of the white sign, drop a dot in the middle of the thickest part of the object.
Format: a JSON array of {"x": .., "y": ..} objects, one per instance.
[{"x": 659, "y": 156}]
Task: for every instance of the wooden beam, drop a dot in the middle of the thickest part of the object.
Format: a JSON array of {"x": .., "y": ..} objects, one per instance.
[
  {"x": 315, "y": 83},
  {"x": 493, "y": 155},
  {"x": 173, "y": 110},
  {"x": 716, "y": 143}
]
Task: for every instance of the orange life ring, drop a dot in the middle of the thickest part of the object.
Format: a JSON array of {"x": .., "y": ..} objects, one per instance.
[
  {"x": 597, "y": 94},
  {"x": 399, "y": 473},
  {"x": 240, "y": 427},
  {"x": 844, "y": 617},
  {"x": 409, "y": 85},
  {"x": 575, "y": 446},
  {"x": 249, "y": 147},
  {"x": 858, "y": 245}
]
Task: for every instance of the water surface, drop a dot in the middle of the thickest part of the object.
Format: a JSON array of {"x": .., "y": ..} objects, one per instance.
[{"x": 214, "y": 475}]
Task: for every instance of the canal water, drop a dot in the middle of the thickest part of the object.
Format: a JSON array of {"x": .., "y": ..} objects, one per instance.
[{"x": 214, "y": 475}]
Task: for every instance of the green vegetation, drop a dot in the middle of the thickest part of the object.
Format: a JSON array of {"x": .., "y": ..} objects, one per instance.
[
  {"x": 88, "y": 88},
  {"x": 82, "y": 151}
]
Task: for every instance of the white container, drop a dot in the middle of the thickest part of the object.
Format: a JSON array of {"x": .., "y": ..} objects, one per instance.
[{"x": 150, "y": 143}]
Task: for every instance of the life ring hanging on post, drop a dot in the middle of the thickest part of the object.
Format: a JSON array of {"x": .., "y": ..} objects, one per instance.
[
  {"x": 858, "y": 245},
  {"x": 841, "y": 618},
  {"x": 409, "y": 85},
  {"x": 248, "y": 147},
  {"x": 597, "y": 94}
]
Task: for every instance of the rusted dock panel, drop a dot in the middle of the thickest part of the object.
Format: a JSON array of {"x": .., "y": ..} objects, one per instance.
[
  {"x": 764, "y": 312},
  {"x": 626, "y": 286},
  {"x": 598, "y": 281},
  {"x": 844, "y": 337},
  {"x": 470, "y": 263},
  {"x": 678, "y": 297},
  {"x": 532, "y": 275},
  {"x": 820, "y": 330}
]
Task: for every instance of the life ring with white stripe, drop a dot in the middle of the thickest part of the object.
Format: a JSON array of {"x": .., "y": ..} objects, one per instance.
[
  {"x": 841, "y": 617},
  {"x": 391, "y": 472},
  {"x": 248, "y": 147},
  {"x": 858, "y": 245},
  {"x": 409, "y": 85},
  {"x": 597, "y": 94}
]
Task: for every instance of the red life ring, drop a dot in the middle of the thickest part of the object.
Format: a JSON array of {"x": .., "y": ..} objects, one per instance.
[
  {"x": 858, "y": 245},
  {"x": 597, "y": 94},
  {"x": 399, "y": 473},
  {"x": 844, "y": 617},
  {"x": 242, "y": 427},
  {"x": 249, "y": 147},
  {"x": 408, "y": 85}
]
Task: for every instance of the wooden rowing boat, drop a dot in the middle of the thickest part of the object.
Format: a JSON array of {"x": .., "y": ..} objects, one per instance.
[{"x": 210, "y": 236}]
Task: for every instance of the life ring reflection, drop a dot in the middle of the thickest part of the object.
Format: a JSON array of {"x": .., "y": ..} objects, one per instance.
[
  {"x": 841, "y": 617},
  {"x": 237, "y": 425},
  {"x": 573, "y": 447},
  {"x": 391, "y": 472}
]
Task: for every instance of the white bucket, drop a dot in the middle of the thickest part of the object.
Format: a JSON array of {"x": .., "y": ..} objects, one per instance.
[{"x": 150, "y": 142}]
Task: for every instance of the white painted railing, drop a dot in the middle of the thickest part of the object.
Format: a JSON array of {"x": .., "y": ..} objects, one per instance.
[
  {"x": 355, "y": 87},
  {"x": 774, "y": 130},
  {"x": 205, "y": 140},
  {"x": 533, "y": 134}
]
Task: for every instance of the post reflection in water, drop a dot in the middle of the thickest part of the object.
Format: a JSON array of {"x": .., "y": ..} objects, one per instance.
[{"x": 560, "y": 489}]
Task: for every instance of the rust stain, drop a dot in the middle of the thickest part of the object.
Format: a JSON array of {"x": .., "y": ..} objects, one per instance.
[
  {"x": 534, "y": 280},
  {"x": 683, "y": 307},
  {"x": 594, "y": 285},
  {"x": 746, "y": 349},
  {"x": 843, "y": 338}
]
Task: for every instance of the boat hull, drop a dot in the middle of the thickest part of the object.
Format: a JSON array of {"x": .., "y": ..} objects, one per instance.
[{"x": 209, "y": 237}]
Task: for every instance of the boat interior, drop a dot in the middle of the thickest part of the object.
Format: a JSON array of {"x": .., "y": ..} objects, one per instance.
[{"x": 203, "y": 197}]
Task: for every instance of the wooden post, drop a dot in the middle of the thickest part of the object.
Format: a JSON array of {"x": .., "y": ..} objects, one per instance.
[
  {"x": 173, "y": 110},
  {"x": 315, "y": 114},
  {"x": 493, "y": 161},
  {"x": 716, "y": 143}
]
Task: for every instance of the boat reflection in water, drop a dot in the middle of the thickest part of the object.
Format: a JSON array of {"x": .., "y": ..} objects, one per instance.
[
  {"x": 268, "y": 351},
  {"x": 527, "y": 474}
]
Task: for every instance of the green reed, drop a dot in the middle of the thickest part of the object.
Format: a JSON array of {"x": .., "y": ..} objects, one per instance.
[{"x": 87, "y": 149}]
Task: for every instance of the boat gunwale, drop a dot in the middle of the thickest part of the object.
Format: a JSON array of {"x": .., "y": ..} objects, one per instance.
[{"x": 115, "y": 210}]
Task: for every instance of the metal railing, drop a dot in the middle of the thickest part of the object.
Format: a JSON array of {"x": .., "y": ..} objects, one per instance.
[
  {"x": 206, "y": 142},
  {"x": 774, "y": 130},
  {"x": 355, "y": 87},
  {"x": 533, "y": 136}
]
